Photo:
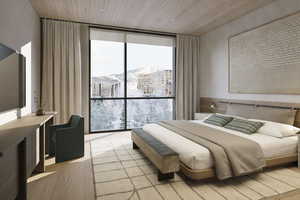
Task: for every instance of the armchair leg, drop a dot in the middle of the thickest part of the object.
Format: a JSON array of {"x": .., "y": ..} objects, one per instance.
[
  {"x": 51, "y": 145},
  {"x": 51, "y": 153}
]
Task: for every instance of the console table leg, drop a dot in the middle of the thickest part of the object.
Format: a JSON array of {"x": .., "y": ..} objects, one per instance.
[
  {"x": 47, "y": 134},
  {"x": 22, "y": 194},
  {"x": 40, "y": 168}
]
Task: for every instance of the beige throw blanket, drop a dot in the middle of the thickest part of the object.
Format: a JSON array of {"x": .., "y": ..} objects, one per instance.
[{"x": 233, "y": 155}]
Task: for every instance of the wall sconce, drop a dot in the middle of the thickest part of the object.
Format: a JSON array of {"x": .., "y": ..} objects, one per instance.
[{"x": 212, "y": 107}]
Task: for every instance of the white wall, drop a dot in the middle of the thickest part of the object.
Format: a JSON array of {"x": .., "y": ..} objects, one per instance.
[
  {"x": 20, "y": 30},
  {"x": 214, "y": 52}
]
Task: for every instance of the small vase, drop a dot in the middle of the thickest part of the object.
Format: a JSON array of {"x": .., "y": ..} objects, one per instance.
[{"x": 40, "y": 112}]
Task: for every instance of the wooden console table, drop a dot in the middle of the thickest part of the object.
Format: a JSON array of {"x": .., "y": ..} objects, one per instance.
[{"x": 15, "y": 134}]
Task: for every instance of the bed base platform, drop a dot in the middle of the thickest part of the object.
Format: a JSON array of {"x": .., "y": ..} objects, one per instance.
[
  {"x": 167, "y": 161},
  {"x": 200, "y": 174},
  {"x": 164, "y": 158}
]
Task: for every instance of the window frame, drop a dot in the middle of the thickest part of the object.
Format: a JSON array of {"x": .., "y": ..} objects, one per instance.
[{"x": 125, "y": 98}]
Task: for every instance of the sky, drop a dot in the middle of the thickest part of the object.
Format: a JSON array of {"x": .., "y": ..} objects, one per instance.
[{"x": 108, "y": 57}]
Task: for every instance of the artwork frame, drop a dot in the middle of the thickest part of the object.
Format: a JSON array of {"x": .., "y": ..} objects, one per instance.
[{"x": 288, "y": 84}]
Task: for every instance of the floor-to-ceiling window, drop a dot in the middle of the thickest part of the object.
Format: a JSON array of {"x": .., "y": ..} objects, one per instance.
[{"x": 131, "y": 79}]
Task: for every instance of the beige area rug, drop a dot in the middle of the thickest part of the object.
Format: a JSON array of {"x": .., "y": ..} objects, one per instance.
[{"x": 122, "y": 173}]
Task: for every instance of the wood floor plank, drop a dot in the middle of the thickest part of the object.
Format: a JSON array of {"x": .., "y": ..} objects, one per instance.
[
  {"x": 292, "y": 181},
  {"x": 37, "y": 186},
  {"x": 149, "y": 194},
  {"x": 206, "y": 192},
  {"x": 244, "y": 189},
  {"x": 258, "y": 187},
  {"x": 228, "y": 192},
  {"x": 293, "y": 197},
  {"x": 275, "y": 184},
  {"x": 72, "y": 180},
  {"x": 167, "y": 192},
  {"x": 289, "y": 172},
  {"x": 295, "y": 169},
  {"x": 117, "y": 196},
  {"x": 134, "y": 197},
  {"x": 185, "y": 191}
]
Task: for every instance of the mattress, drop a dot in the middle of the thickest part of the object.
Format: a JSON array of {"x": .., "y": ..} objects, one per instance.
[{"x": 198, "y": 157}]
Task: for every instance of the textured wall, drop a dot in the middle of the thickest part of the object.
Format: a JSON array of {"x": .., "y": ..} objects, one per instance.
[
  {"x": 214, "y": 52},
  {"x": 20, "y": 30}
]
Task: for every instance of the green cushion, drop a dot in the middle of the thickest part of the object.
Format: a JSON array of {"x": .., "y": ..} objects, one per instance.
[
  {"x": 244, "y": 126},
  {"x": 218, "y": 120}
]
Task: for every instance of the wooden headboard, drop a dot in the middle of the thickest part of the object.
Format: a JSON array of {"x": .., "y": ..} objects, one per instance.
[{"x": 221, "y": 105}]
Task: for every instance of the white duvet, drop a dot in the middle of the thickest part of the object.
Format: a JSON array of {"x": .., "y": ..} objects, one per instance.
[{"x": 196, "y": 156}]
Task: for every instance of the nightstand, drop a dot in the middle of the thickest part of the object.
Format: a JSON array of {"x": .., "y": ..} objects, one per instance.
[{"x": 200, "y": 116}]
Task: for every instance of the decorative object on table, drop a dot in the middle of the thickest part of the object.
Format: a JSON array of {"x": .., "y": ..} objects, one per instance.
[
  {"x": 40, "y": 112},
  {"x": 67, "y": 140}
]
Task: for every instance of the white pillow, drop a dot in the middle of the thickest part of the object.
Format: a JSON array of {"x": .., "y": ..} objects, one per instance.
[
  {"x": 210, "y": 114},
  {"x": 278, "y": 130},
  {"x": 205, "y": 116},
  {"x": 234, "y": 116}
]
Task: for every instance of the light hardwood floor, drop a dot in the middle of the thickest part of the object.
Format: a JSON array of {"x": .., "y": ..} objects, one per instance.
[
  {"x": 64, "y": 181},
  {"x": 74, "y": 180}
]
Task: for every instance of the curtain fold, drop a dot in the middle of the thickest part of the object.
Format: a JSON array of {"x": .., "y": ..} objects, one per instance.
[
  {"x": 187, "y": 76},
  {"x": 84, "y": 44},
  {"x": 61, "y": 69}
]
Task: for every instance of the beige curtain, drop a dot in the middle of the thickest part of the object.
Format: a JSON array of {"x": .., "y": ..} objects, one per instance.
[
  {"x": 84, "y": 44},
  {"x": 187, "y": 76},
  {"x": 61, "y": 70}
]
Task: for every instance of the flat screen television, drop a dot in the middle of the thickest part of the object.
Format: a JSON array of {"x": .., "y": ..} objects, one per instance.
[{"x": 12, "y": 79}]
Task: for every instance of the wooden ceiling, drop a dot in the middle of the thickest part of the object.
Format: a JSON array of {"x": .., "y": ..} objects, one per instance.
[{"x": 176, "y": 16}]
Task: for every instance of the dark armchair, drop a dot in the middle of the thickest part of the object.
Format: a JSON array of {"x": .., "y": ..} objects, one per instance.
[{"x": 67, "y": 140}]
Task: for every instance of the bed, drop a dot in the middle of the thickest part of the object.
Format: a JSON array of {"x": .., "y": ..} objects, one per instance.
[{"x": 196, "y": 161}]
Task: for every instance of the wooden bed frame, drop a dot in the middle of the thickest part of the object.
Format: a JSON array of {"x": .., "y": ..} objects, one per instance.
[
  {"x": 168, "y": 165},
  {"x": 220, "y": 107},
  {"x": 210, "y": 172}
]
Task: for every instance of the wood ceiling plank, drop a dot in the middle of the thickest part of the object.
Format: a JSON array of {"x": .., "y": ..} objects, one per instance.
[{"x": 178, "y": 16}]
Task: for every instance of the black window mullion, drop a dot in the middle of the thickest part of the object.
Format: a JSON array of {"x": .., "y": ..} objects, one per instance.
[
  {"x": 174, "y": 82},
  {"x": 125, "y": 83}
]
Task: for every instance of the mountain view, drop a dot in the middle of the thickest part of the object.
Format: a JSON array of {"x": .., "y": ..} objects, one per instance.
[{"x": 142, "y": 82}]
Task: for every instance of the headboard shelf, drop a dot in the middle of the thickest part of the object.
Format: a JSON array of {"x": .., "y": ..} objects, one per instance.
[
  {"x": 221, "y": 105},
  {"x": 261, "y": 105}
]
